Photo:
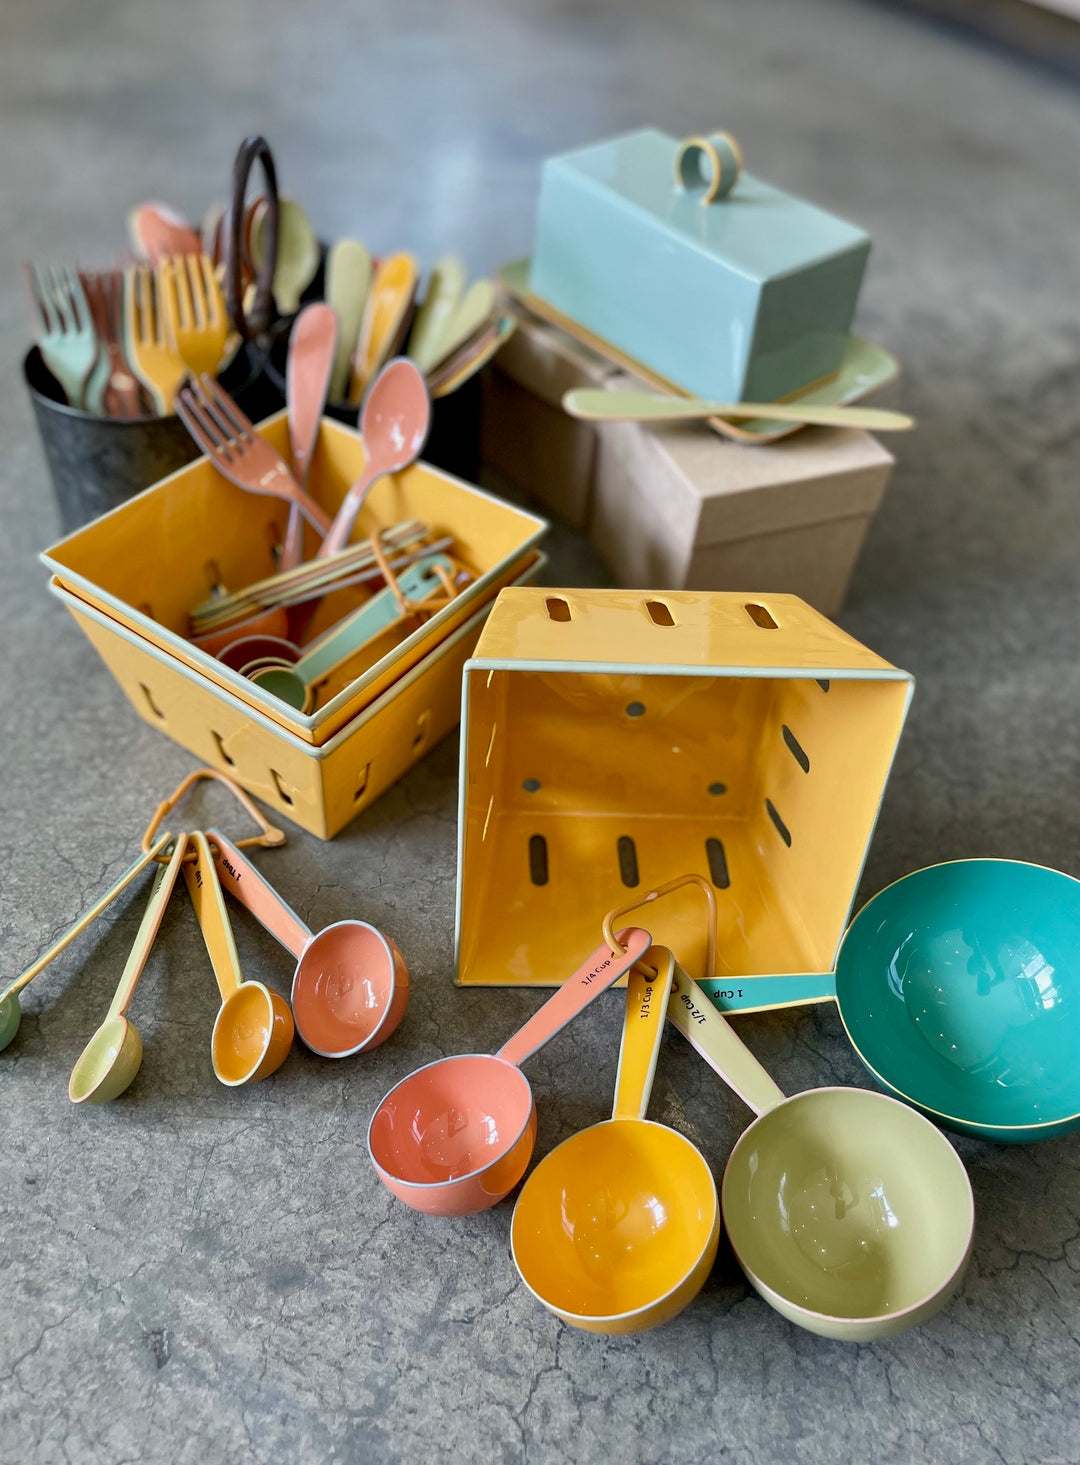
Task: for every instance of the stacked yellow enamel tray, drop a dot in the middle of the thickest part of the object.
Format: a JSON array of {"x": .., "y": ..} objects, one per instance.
[{"x": 132, "y": 578}]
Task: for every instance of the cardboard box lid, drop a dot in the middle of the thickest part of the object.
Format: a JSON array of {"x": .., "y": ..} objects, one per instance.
[{"x": 728, "y": 490}]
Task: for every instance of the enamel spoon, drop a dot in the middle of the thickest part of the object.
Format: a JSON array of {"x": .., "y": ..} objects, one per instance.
[
  {"x": 597, "y": 405},
  {"x": 444, "y": 294},
  {"x": 394, "y": 421},
  {"x": 348, "y": 280},
  {"x": 386, "y": 312},
  {"x": 312, "y": 343},
  {"x": 253, "y": 1030}
]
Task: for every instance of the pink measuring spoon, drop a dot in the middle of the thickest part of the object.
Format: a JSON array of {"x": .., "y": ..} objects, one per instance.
[
  {"x": 394, "y": 421},
  {"x": 312, "y": 343},
  {"x": 456, "y": 1136},
  {"x": 351, "y": 985}
]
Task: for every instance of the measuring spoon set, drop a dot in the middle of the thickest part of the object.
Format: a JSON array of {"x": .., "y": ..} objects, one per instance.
[{"x": 349, "y": 993}]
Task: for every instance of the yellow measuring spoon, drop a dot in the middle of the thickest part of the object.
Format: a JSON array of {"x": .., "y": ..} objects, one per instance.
[
  {"x": 253, "y": 1030},
  {"x": 111, "y": 1059},
  {"x": 10, "y": 1012},
  {"x": 616, "y": 1230}
]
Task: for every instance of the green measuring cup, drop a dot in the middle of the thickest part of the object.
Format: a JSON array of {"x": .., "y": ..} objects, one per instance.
[
  {"x": 296, "y": 684},
  {"x": 850, "y": 1213}
]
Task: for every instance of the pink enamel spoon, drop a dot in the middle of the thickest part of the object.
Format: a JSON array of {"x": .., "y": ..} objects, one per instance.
[
  {"x": 394, "y": 421},
  {"x": 312, "y": 344}
]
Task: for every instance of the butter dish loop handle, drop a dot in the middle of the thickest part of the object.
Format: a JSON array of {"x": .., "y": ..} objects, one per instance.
[{"x": 709, "y": 165}]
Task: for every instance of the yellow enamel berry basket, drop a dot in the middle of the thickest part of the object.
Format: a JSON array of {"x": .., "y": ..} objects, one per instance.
[{"x": 614, "y": 739}]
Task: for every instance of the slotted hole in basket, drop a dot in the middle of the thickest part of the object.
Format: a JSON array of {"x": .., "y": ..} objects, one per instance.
[
  {"x": 225, "y": 757},
  {"x": 824, "y": 685},
  {"x": 760, "y": 616},
  {"x": 781, "y": 828},
  {"x": 659, "y": 613},
  {"x": 538, "y": 859},
  {"x": 154, "y": 708},
  {"x": 361, "y": 783},
  {"x": 558, "y": 609},
  {"x": 628, "y": 865},
  {"x": 717, "y": 858},
  {"x": 423, "y": 722},
  {"x": 283, "y": 793},
  {"x": 796, "y": 749}
]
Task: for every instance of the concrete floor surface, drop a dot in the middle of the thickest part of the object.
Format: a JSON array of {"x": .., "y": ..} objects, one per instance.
[{"x": 201, "y": 1275}]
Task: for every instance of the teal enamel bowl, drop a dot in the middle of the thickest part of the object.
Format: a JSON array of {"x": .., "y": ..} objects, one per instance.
[{"x": 959, "y": 987}]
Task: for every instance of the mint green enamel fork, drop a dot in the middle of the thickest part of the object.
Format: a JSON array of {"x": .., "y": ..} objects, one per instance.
[{"x": 63, "y": 326}]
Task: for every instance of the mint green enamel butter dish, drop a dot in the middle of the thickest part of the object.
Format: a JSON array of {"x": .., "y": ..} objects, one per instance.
[{"x": 708, "y": 276}]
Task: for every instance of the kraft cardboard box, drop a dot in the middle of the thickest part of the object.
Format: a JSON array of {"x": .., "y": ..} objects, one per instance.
[
  {"x": 680, "y": 507},
  {"x": 525, "y": 436}
]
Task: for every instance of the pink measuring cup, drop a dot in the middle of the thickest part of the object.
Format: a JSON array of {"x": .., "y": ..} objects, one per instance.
[
  {"x": 351, "y": 985},
  {"x": 456, "y": 1136}
]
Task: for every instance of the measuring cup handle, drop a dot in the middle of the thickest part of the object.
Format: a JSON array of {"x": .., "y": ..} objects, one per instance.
[
  {"x": 209, "y": 903},
  {"x": 160, "y": 891},
  {"x": 766, "y": 994},
  {"x": 647, "y": 994},
  {"x": 88, "y": 917},
  {"x": 710, "y": 1035},
  {"x": 367, "y": 622},
  {"x": 595, "y": 975},
  {"x": 240, "y": 878}
]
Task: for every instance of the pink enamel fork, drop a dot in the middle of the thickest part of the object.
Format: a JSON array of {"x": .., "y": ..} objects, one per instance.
[{"x": 237, "y": 451}]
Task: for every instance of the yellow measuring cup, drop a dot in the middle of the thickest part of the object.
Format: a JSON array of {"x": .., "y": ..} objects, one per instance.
[
  {"x": 253, "y": 1030},
  {"x": 616, "y": 1230},
  {"x": 111, "y": 1059}
]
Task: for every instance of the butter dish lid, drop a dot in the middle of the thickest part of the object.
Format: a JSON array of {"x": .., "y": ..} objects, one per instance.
[{"x": 755, "y": 229}]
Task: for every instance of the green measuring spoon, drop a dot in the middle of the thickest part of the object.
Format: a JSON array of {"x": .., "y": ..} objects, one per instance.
[
  {"x": 111, "y": 1059},
  {"x": 10, "y": 1011}
]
